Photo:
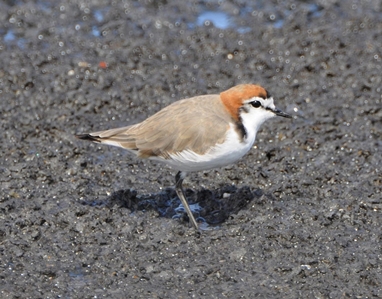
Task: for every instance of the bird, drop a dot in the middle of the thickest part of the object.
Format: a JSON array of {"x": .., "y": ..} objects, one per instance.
[{"x": 198, "y": 133}]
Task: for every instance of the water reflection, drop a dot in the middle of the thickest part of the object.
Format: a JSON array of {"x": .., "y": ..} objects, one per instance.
[
  {"x": 217, "y": 16},
  {"x": 219, "y": 19}
]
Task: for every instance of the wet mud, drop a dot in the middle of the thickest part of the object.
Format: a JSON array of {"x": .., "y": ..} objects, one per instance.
[{"x": 298, "y": 217}]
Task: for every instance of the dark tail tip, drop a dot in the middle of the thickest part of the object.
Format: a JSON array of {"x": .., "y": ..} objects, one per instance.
[{"x": 88, "y": 137}]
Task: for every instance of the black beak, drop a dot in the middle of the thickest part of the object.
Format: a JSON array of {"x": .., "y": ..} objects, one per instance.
[{"x": 280, "y": 113}]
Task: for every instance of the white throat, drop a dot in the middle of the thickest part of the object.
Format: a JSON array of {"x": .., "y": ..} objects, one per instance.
[{"x": 252, "y": 121}]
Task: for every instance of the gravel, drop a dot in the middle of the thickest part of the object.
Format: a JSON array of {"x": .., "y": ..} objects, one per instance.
[{"x": 298, "y": 217}]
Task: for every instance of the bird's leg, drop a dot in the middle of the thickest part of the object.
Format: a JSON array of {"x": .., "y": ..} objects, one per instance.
[{"x": 179, "y": 191}]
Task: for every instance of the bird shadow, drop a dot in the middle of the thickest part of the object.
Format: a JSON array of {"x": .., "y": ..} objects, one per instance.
[{"x": 210, "y": 206}]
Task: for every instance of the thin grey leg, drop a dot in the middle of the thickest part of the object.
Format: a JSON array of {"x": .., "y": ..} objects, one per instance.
[{"x": 179, "y": 191}]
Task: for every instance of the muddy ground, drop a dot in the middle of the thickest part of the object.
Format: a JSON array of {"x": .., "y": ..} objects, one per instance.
[{"x": 298, "y": 217}]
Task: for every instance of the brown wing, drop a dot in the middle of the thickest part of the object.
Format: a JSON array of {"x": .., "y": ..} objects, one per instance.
[{"x": 197, "y": 123}]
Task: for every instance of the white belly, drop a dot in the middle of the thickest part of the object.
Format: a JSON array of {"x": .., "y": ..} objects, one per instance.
[{"x": 222, "y": 154}]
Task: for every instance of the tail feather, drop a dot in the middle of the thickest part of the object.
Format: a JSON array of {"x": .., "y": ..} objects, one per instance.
[
  {"x": 119, "y": 141},
  {"x": 117, "y": 137},
  {"x": 89, "y": 137}
]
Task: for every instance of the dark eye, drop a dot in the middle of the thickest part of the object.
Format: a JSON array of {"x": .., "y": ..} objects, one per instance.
[{"x": 256, "y": 104}]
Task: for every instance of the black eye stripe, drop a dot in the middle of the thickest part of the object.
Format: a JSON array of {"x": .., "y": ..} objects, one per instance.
[{"x": 256, "y": 104}]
